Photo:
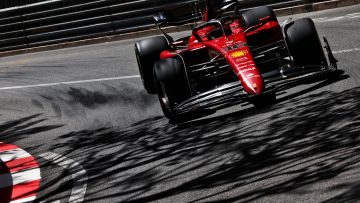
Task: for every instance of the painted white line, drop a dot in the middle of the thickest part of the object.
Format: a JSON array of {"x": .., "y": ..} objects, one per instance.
[
  {"x": 28, "y": 199},
  {"x": 337, "y": 18},
  {"x": 13, "y": 154},
  {"x": 69, "y": 82},
  {"x": 77, "y": 172},
  {"x": 346, "y": 51}
]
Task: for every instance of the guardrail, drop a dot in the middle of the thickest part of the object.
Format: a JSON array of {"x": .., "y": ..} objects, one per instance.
[{"x": 45, "y": 22}]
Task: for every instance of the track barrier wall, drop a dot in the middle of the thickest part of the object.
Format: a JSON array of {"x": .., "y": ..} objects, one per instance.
[{"x": 33, "y": 23}]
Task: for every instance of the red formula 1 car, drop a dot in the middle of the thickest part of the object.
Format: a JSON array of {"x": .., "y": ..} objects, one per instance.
[{"x": 245, "y": 57}]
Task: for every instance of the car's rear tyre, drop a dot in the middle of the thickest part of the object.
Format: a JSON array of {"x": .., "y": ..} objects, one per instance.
[
  {"x": 147, "y": 53},
  {"x": 253, "y": 16},
  {"x": 304, "y": 43},
  {"x": 171, "y": 84}
]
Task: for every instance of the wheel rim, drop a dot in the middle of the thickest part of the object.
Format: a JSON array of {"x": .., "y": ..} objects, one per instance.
[{"x": 165, "y": 99}]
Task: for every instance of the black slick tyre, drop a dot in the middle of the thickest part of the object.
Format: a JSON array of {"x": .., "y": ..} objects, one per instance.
[
  {"x": 171, "y": 84},
  {"x": 253, "y": 16},
  {"x": 304, "y": 43},
  {"x": 147, "y": 53}
]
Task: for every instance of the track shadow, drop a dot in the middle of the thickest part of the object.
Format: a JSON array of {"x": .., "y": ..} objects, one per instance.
[
  {"x": 240, "y": 157},
  {"x": 16, "y": 130}
]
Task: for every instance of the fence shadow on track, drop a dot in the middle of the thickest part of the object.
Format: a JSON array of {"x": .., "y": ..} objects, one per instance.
[
  {"x": 16, "y": 130},
  {"x": 239, "y": 157}
]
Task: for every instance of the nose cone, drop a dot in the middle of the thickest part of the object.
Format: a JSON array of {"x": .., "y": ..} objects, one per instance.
[{"x": 254, "y": 86}]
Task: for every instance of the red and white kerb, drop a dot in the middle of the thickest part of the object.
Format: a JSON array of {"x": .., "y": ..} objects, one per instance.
[{"x": 19, "y": 175}]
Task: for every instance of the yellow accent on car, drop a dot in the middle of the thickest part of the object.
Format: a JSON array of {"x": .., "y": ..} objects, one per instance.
[{"x": 238, "y": 54}]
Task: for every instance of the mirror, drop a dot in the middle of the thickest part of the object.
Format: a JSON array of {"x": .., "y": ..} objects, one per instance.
[{"x": 160, "y": 18}]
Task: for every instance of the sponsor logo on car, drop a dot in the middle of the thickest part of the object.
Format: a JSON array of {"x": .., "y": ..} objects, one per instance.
[
  {"x": 245, "y": 63},
  {"x": 238, "y": 54},
  {"x": 246, "y": 70},
  {"x": 241, "y": 59},
  {"x": 250, "y": 75}
]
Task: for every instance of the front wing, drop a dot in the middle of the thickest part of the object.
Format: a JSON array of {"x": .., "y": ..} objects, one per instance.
[{"x": 233, "y": 93}]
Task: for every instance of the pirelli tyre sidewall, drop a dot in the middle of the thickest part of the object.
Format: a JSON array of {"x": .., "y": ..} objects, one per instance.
[
  {"x": 147, "y": 53},
  {"x": 304, "y": 43},
  {"x": 171, "y": 84}
]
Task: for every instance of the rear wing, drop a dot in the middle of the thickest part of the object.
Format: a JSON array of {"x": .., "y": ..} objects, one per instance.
[{"x": 179, "y": 15}]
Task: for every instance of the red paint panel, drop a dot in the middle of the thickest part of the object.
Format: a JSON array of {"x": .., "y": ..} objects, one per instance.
[
  {"x": 241, "y": 61},
  {"x": 6, "y": 147},
  {"x": 25, "y": 190},
  {"x": 22, "y": 164}
]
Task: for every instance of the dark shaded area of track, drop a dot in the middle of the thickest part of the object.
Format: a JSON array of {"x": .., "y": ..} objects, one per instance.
[
  {"x": 308, "y": 142},
  {"x": 305, "y": 148}
]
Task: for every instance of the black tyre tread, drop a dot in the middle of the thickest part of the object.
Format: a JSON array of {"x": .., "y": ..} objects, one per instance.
[
  {"x": 148, "y": 52},
  {"x": 304, "y": 43},
  {"x": 252, "y": 17},
  {"x": 169, "y": 75},
  {"x": 169, "y": 70}
]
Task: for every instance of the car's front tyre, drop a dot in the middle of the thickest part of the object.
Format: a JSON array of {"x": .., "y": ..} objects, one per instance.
[
  {"x": 171, "y": 85},
  {"x": 304, "y": 43}
]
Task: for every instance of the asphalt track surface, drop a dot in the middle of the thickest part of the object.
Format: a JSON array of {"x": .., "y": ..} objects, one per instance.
[{"x": 80, "y": 103}]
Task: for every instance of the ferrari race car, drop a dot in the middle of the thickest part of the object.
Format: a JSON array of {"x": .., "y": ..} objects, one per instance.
[{"x": 243, "y": 57}]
